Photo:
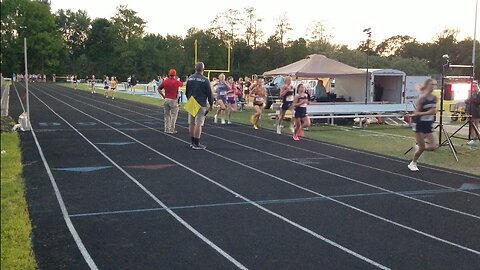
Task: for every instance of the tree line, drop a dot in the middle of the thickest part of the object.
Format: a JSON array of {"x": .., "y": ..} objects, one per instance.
[{"x": 71, "y": 42}]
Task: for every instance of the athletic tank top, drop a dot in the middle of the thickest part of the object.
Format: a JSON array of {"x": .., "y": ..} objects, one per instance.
[
  {"x": 301, "y": 98},
  {"x": 260, "y": 97},
  {"x": 222, "y": 89},
  {"x": 427, "y": 104},
  {"x": 288, "y": 97}
]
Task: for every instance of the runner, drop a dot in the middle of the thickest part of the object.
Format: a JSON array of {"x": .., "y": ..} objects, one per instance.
[
  {"x": 199, "y": 88},
  {"x": 301, "y": 119},
  {"x": 133, "y": 83},
  {"x": 92, "y": 84},
  {"x": 473, "y": 107},
  {"x": 75, "y": 82},
  {"x": 258, "y": 93},
  {"x": 287, "y": 94},
  {"x": 171, "y": 85},
  {"x": 424, "y": 116},
  {"x": 106, "y": 86},
  {"x": 232, "y": 93},
  {"x": 222, "y": 89},
  {"x": 113, "y": 86}
]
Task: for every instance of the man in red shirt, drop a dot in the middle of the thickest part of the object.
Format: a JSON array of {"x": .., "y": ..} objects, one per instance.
[{"x": 170, "y": 85}]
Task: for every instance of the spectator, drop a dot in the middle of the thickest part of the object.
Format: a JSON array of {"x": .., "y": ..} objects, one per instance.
[
  {"x": 473, "y": 107},
  {"x": 170, "y": 85}
]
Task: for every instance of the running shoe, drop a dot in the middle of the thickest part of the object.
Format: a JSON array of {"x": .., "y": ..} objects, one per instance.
[
  {"x": 279, "y": 129},
  {"x": 292, "y": 128},
  {"x": 255, "y": 127},
  {"x": 295, "y": 137},
  {"x": 215, "y": 119},
  {"x": 173, "y": 132},
  {"x": 472, "y": 142},
  {"x": 300, "y": 133},
  {"x": 413, "y": 166},
  {"x": 199, "y": 147},
  {"x": 113, "y": 97},
  {"x": 223, "y": 121},
  {"x": 229, "y": 122}
]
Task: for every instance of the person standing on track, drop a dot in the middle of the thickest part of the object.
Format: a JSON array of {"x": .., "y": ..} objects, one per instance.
[
  {"x": 170, "y": 106},
  {"x": 222, "y": 89},
  {"x": 301, "y": 120},
  {"x": 287, "y": 94},
  {"x": 92, "y": 84},
  {"x": 199, "y": 88},
  {"x": 258, "y": 93},
  {"x": 424, "y": 116}
]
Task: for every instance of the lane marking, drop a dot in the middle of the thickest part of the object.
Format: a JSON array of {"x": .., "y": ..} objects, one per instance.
[
  {"x": 150, "y": 166},
  {"x": 156, "y": 112},
  {"x": 266, "y": 202},
  {"x": 83, "y": 169},
  {"x": 177, "y": 217},
  {"x": 115, "y": 143},
  {"x": 78, "y": 241},
  {"x": 326, "y": 240},
  {"x": 273, "y": 176},
  {"x": 300, "y": 163},
  {"x": 310, "y": 151}
]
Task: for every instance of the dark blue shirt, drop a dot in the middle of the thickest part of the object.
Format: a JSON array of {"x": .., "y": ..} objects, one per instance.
[{"x": 198, "y": 87}]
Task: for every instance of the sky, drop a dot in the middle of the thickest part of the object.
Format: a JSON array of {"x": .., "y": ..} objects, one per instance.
[{"x": 345, "y": 19}]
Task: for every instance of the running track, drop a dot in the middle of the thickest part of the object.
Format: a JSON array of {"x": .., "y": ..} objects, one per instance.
[{"x": 107, "y": 189}]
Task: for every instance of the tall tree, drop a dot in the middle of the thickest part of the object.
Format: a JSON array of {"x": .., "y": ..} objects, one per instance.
[
  {"x": 282, "y": 27},
  {"x": 100, "y": 46},
  {"x": 392, "y": 45},
  {"x": 75, "y": 28},
  {"x": 33, "y": 20},
  {"x": 253, "y": 33},
  {"x": 128, "y": 24},
  {"x": 319, "y": 32}
]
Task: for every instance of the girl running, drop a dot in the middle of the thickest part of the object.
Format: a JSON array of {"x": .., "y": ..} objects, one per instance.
[
  {"x": 287, "y": 94},
  {"x": 92, "y": 84},
  {"x": 301, "y": 120},
  {"x": 258, "y": 93},
  {"x": 75, "y": 82},
  {"x": 424, "y": 116},
  {"x": 222, "y": 89},
  {"x": 113, "y": 86},
  {"x": 106, "y": 86},
  {"x": 231, "y": 99}
]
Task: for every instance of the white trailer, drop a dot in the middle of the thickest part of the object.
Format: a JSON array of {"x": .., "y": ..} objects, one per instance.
[{"x": 384, "y": 85}]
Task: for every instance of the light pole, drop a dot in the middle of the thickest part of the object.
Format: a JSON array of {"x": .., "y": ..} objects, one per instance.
[{"x": 367, "y": 31}]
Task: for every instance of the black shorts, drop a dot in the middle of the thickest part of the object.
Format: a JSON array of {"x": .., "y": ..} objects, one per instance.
[
  {"x": 423, "y": 127},
  {"x": 286, "y": 105},
  {"x": 260, "y": 104},
  {"x": 300, "y": 112}
]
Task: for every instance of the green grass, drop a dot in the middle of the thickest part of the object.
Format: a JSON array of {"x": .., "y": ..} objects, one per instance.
[
  {"x": 383, "y": 139},
  {"x": 16, "y": 228}
]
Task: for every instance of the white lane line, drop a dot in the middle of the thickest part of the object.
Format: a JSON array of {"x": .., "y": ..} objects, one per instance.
[
  {"x": 262, "y": 202},
  {"x": 172, "y": 213},
  {"x": 18, "y": 95},
  {"x": 282, "y": 180},
  {"x": 336, "y": 146},
  {"x": 310, "y": 151},
  {"x": 319, "y": 169},
  {"x": 298, "y": 226},
  {"x": 61, "y": 203}
]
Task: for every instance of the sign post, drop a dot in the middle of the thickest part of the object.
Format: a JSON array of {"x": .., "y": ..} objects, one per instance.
[{"x": 28, "y": 126}]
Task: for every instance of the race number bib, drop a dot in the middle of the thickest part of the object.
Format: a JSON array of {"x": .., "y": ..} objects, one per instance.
[{"x": 289, "y": 98}]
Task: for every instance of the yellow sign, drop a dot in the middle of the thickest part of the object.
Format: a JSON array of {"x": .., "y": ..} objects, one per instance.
[{"x": 192, "y": 106}]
